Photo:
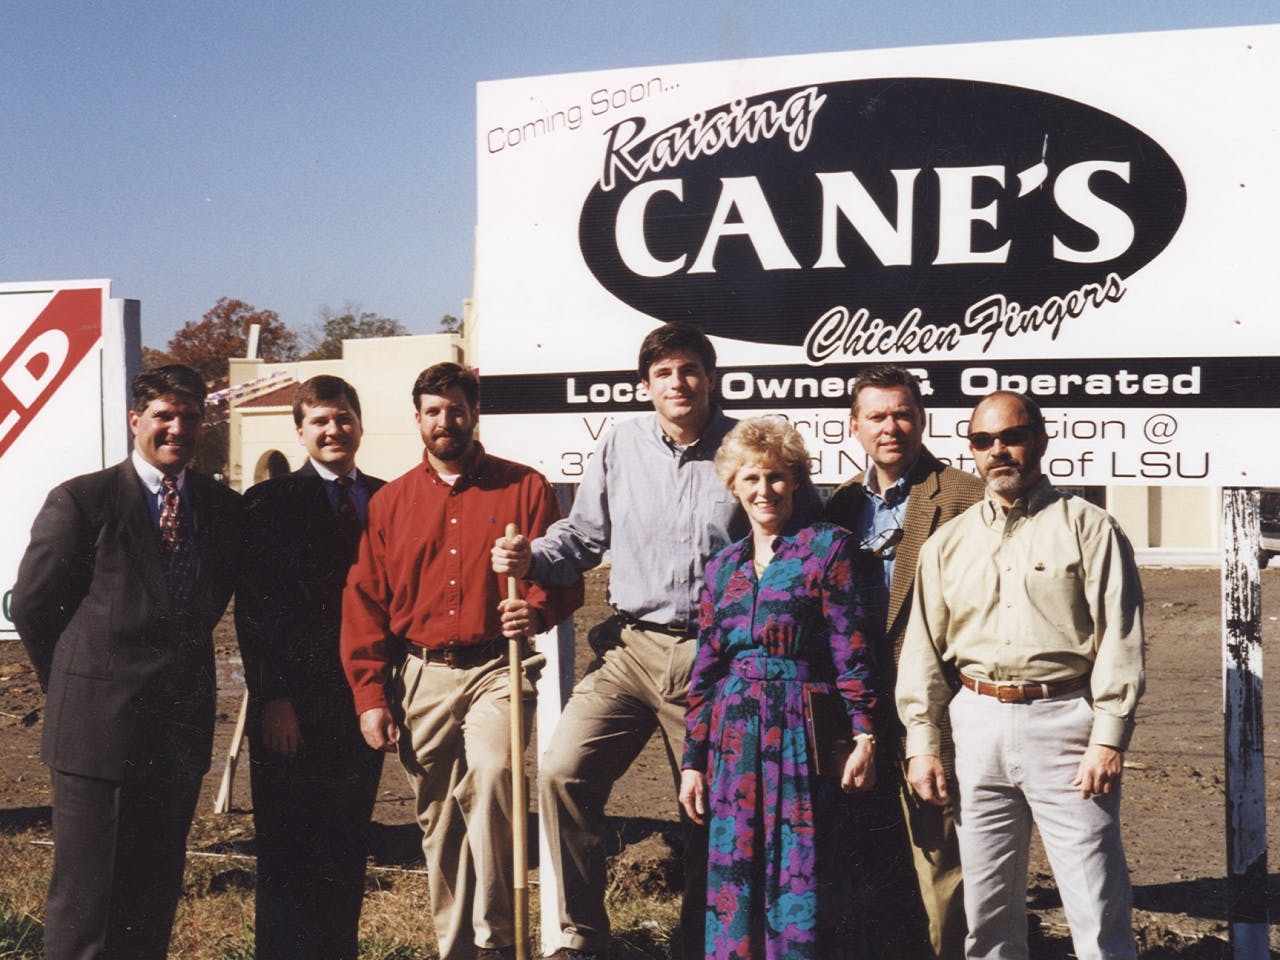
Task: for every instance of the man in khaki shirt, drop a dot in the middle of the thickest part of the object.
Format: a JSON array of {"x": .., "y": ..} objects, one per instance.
[{"x": 1030, "y": 602}]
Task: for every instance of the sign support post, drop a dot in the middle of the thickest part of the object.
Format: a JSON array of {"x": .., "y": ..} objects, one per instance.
[
  {"x": 1242, "y": 725},
  {"x": 554, "y": 687}
]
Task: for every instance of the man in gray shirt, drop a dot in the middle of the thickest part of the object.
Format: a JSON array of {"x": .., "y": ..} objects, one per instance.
[{"x": 651, "y": 497}]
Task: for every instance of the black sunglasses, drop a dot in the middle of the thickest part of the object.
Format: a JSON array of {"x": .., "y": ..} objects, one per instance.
[
  {"x": 884, "y": 544},
  {"x": 1009, "y": 436}
]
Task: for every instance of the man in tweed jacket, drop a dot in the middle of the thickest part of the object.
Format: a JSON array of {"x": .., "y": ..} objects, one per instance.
[{"x": 904, "y": 496}]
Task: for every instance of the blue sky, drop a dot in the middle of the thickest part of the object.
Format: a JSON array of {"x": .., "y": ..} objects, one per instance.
[{"x": 297, "y": 154}]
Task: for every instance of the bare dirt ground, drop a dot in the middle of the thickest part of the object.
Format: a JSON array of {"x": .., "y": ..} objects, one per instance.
[{"x": 1173, "y": 792}]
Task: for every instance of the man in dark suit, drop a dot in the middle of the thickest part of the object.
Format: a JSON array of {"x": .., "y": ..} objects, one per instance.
[
  {"x": 904, "y": 496},
  {"x": 127, "y": 572},
  {"x": 314, "y": 778}
]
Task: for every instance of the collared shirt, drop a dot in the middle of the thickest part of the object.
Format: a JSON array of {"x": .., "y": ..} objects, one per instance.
[
  {"x": 153, "y": 479},
  {"x": 881, "y": 513},
  {"x": 659, "y": 509},
  {"x": 423, "y": 572},
  {"x": 1043, "y": 592},
  {"x": 359, "y": 495}
]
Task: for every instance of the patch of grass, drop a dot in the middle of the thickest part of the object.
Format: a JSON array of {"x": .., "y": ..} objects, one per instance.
[
  {"x": 215, "y": 915},
  {"x": 395, "y": 921},
  {"x": 235, "y": 947},
  {"x": 24, "y": 877},
  {"x": 377, "y": 949},
  {"x": 21, "y": 935},
  {"x": 24, "y": 871},
  {"x": 644, "y": 927}
]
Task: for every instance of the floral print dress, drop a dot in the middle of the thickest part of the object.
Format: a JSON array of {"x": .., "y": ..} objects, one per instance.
[{"x": 770, "y": 883}]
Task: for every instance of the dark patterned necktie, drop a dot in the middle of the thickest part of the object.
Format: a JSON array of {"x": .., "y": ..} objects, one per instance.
[
  {"x": 348, "y": 517},
  {"x": 172, "y": 534},
  {"x": 175, "y": 538}
]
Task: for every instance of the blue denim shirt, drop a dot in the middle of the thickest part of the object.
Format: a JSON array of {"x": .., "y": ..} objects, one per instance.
[{"x": 883, "y": 511}]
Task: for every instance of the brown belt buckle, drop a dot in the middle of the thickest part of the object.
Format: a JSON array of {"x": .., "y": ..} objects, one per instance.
[
  {"x": 451, "y": 658},
  {"x": 1011, "y": 693}
]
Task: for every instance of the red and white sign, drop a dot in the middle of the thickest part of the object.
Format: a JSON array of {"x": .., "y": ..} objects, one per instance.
[{"x": 66, "y": 353}]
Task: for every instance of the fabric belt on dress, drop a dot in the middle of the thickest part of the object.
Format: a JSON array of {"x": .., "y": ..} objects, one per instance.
[
  {"x": 1021, "y": 691},
  {"x": 464, "y": 658},
  {"x": 676, "y": 628},
  {"x": 756, "y": 666}
]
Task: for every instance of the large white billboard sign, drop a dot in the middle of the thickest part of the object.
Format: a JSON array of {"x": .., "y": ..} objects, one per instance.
[
  {"x": 64, "y": 349},
  {"x": 1088, "y": 220}
]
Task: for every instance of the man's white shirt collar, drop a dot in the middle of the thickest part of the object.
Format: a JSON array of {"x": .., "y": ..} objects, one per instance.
[
  {"x": 151, "y": 476},
  {"x": 329, "y": 475}
]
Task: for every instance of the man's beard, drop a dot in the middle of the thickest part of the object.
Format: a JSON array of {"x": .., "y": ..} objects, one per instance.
[
  {"x": 1015, "y": 482},
  {"x": 452, "y": 446}
]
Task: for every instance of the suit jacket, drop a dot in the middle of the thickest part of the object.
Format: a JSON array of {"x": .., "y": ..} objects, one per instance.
[
  {"x": 128, "y": 671},
  {"x": 937, "y": 493},
  {"x": 289, "y": 604}
]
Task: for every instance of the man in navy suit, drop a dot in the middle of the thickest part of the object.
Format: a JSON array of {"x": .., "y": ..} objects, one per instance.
[
  {"x": 314, "y": 778},
  {"x": 127, "y": 572}
]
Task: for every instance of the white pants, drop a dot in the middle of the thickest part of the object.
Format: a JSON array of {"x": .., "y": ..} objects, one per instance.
[{"x": 1015, "y": 763}]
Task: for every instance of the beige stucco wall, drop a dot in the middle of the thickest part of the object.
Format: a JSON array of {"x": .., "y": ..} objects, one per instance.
[
  {"x": 382, "y": 370},
  {"x": 1171, "y": 519}
]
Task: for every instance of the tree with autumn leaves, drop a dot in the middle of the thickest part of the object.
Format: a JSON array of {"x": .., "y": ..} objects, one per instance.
[{"x": 223, "y": 332}]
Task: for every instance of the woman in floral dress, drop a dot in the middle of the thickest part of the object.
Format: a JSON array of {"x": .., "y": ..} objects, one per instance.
[{"x": 779, "y": 612}]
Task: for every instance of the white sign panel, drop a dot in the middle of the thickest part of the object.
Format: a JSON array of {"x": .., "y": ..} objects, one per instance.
[
  {"x": 1088, "y": 220},
  {"x": 63, "y": 398}
]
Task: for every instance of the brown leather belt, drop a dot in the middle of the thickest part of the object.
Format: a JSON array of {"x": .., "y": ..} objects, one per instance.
[
  {"x": 1018, "y": 691},
  {"x": 464, "y": 658}
]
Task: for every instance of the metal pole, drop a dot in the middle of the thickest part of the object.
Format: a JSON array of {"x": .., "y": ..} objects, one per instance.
[{"x": 1242, "y": 726}]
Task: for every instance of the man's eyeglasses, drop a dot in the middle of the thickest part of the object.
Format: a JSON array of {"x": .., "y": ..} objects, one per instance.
[
  {"x": 883, "y": 544},
  {"x": 1009, "y": 436}
]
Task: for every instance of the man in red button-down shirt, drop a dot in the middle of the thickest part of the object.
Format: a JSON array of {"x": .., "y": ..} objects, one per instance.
[{"x": 424, "y": 623}]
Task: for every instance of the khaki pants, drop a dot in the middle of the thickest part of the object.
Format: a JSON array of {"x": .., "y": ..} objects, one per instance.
[
  {"x": 638, "y": 687},
  {"x": 935, "y": 853},
  {"x": 455, "y": 745}
]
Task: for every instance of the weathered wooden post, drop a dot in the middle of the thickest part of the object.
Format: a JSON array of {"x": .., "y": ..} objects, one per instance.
[
  {"x": 1242, "y": 726},
  {"x": 222, "y": 802}
]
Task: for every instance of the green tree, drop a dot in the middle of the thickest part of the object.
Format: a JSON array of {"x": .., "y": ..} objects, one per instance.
[
  {"x": 324, "y": 342},
  {"x": 450, "y": 324},
  {"x": 223, "y": 332}
]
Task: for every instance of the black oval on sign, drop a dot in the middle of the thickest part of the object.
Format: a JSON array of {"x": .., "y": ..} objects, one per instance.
[{"x": 904, "y": 197}]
